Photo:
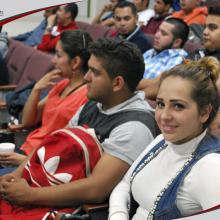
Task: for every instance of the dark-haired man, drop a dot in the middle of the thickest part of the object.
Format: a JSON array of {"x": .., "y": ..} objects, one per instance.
[
  {"x": 144, "y": 13},
  {"x": 211, "y": 35},
  {"x": 34, "y": 37},
  {"x": 167, "y": 49},
  {"x": 161, "y": 8},
  {"x": 121, "y": 119},
  {"x": 63, "y": 20},
  {"x": 125, "y": 15}
]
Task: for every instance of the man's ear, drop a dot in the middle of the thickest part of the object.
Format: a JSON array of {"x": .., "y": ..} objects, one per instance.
[
  {"x": 118, "y": 83},
  {"x": 168, "y": 6},
  {"x": 205, "y": 113},
  {"x": 177, "y": 43}
]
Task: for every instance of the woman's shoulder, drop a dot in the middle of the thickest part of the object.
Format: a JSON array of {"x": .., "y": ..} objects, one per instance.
[
  {"x": 62, "y": 83},
  {"x": 59, "y": 87},
  {"x": 209, "y": 161},
  {"x": 207, "y": 168},
  {"x": 150, "y": 146}
]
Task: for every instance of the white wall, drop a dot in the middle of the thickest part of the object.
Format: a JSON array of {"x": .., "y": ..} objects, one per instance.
[{"x": 29, "y": 22}]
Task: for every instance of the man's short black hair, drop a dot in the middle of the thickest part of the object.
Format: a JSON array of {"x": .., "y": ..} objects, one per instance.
[
  {"x": 73, "y": 9},
  {"x": 120, "y": 57},
  {"x": 166, "y": 2},
  {"x": 214, "y": 10},
  {"x": 124, "y": 4},
  {"x": 181, "y": 29}
]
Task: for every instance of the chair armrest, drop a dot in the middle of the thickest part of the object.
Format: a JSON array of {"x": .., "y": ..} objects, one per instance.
[
  {"x": 96, "y": 211},
  {"x": 88, "y": 208},
  {"x": 7, "y": 87},
  {"x": 2, "y": 104},
  {"x": 16, "y": 128}
]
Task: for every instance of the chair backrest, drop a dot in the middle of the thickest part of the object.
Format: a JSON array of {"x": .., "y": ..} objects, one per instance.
[
  {"x": 37, "y": 66},
  {"x": 82, "y": 25},
  {"x": 17, "y": 59},
  {"x": 11, "y": 47},
  {"x": 191, "y": 47},
  {"x": 150, "y": 38},
  {"x": 95, "y": 30}
]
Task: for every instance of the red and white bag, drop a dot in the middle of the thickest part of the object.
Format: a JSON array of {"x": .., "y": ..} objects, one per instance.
[{"x": 65, "y": 155}]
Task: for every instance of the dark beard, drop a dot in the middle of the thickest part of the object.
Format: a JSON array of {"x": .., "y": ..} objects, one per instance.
[{"x": 169, "y": 46}]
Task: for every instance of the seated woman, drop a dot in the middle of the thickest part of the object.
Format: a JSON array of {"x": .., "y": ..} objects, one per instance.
[
  {"x": 64, "y": 99},
  {"x": 166, "y": 179}
]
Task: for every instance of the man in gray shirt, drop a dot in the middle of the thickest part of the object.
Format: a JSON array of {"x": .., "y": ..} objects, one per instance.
[{"x": 121, "y": 118}]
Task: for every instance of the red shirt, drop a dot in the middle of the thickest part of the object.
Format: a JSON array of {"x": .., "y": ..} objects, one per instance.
[
  {"x": 56, "y": 113},
  {"x": 49, "y": 41}
]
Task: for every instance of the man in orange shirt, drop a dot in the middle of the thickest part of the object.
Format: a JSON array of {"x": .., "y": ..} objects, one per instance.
[{"x": 191, "y": 13}]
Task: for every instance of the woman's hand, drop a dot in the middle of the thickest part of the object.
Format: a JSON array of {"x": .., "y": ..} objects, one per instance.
[
  {"x": 47, "y": 80},
  {"x": 7, "y": 159}
]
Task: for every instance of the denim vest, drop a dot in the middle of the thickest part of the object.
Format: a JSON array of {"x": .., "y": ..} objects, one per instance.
[{"x": 166, "y": 208}]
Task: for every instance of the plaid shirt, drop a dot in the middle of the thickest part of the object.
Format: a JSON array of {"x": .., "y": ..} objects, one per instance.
[{"x": 156, "y": 63}]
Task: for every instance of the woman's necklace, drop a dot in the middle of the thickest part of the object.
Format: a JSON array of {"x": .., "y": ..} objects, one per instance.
[
  {"x": 151, "y": 156},
  {"x": 72, "y": 90},
  {"x": 153, "y": 208}
]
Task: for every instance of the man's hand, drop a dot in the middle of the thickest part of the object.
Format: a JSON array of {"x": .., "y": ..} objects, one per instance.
[
  {"x": 8, "y": 177},
  {"x": 16, "y": 191},
  {"x": 51, "y": 20},
  {"x": 11, "y": 158},
  {"x": 107, "y": 7}
]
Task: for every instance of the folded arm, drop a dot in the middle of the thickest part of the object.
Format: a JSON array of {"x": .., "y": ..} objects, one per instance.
[{"x": 95, "y": 188}]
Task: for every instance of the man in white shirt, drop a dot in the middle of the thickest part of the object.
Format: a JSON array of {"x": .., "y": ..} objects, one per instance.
[{"x": 144, "y": 13}]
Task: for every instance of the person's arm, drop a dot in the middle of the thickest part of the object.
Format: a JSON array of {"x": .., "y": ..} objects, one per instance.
[
  {"x": 97, "y": 19},
  {"x": 108, "y": 22},
  {"x": 13, "y": 176},
  {"x": 18, "y": 172},
  {"x": 12, "y": 158},
  {"x": 202, "y": 184},
  {"x": 150, "y": 87},
  {"x": 107, "y": 173},
  {"x": 23, "y": 37},
  {"x": 120, "y": 198},
  {"x": 32, "y": 111},
  {"x": 120, "y": 151},
  {"x": 48, "y": 42}
]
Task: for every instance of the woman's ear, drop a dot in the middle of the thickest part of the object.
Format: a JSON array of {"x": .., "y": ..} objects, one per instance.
[
  {"x": 205, "y": 112},
  {"x": 75, "y": 63}
]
